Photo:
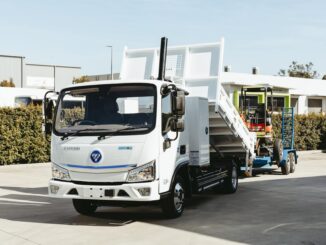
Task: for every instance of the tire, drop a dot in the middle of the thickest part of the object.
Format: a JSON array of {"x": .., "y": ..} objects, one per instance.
[
  {"x": 278, "y": 151},
  {"x": 286, "y": 168},
  {"x": 292, "y": 162},
  {"x": 230, "y": 184},
  {"x": 85, "y": 207},
  {"x": 173, "y": 205}
]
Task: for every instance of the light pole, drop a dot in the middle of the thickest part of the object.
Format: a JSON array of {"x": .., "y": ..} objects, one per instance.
[{"x": 110, "y": 46}]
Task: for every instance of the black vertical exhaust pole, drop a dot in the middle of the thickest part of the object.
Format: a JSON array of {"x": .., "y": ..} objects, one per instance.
[{"x": 163, "y": 52}]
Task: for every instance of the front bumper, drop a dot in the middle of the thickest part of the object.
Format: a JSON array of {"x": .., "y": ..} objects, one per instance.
[{"x": 123, "y": 192}]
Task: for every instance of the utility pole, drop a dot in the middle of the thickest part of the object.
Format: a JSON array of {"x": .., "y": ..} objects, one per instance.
[{"x": 111, "y": 47}]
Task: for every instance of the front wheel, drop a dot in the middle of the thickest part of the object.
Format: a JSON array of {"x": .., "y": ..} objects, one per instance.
[
  {"x": 173, "y": 205},
  {"x": 85, "y": 207}
]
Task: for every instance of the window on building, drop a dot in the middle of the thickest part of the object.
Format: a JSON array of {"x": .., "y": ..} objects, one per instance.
[
  {"x": 278, "y": 103},
  {"x": 315, "y": 105}
]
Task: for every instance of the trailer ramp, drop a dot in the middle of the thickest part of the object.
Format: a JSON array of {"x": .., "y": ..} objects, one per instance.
[{"x": 198, "y": 69}]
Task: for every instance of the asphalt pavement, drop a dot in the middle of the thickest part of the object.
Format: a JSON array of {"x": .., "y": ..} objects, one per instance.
[{"x": 266, "y": 209}]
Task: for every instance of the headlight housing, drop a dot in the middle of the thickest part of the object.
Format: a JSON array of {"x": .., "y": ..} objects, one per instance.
[
  {"x": 143, "y": 173},
  {"x": 60, "y": 173}
]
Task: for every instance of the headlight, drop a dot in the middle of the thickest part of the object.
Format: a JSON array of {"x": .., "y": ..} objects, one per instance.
[
  {"x": 60, "y": 173},
  {"x": 145, "y": 172}
]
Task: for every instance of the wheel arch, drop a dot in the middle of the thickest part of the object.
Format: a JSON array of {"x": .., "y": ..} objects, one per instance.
[{"x": 183, "y": 170}]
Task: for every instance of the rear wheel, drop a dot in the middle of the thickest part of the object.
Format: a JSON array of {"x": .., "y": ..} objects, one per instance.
[
  {"x": 292, "y": 162},
  {"x": 278, "y": 151},
  {"x": 230, "y": 184},
  {"x": 286, "y": 167},
  {"x": 85, "y": 207},
  {"x": 173, "y": 205}
]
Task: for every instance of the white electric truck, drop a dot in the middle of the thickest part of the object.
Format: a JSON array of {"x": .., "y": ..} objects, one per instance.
[{"x": 140, "y": 139}]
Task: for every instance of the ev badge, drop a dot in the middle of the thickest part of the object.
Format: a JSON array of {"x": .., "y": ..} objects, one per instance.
[{"x": 96, "y": 156}]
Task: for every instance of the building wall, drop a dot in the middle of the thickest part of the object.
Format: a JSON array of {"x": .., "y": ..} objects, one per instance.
[
  {"x": 65, "y": 75},
  {"x": 11, "y": 68},
  {"x": 36, "y": 75},
  {"x": 39, "y": 76},
  {"x": 50, "y": 77}
]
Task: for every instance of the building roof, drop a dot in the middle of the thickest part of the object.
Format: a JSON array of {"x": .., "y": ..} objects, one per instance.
[{"x": 296, "y": 86}]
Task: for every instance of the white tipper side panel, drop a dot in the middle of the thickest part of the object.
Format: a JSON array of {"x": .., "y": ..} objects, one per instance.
[
  {"x": 197, "y": 125},
  {"x": 197, "y": 68}
]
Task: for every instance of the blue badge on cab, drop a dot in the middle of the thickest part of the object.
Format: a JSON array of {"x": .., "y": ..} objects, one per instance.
[{"x": 96, "y": 156}]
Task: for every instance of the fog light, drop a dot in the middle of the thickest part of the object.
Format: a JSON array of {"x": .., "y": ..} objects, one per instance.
[
  {"x": 144, "y": 191},
  {"x": 54, "y": 189}
]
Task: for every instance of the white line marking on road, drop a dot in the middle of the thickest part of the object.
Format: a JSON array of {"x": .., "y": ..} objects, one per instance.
[
  {"x": 20, "y": 204},
  {"x": 21, "y": 201},
  {"x": 276, "y": 226}
]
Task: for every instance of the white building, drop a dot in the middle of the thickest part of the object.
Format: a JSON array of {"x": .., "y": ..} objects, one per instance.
[
  {"x": 27, "y": 75},
  {"x": 305, "y": 95}
]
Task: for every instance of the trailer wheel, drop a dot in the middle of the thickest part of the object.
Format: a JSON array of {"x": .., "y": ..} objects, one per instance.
[
  {"x": 173, "y": 205},
  {"x": 85, "y": 207},
  {"x": 230, "y": 184},
  {"x": 286, "y": 168},
  {"x": 292, "y": 162},
  {"x": 278, "y": 151}
]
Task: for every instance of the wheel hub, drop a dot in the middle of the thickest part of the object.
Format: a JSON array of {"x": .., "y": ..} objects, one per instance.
[
  {"x": 234, "y": 177},
  {"x": 178, "y": 197}
]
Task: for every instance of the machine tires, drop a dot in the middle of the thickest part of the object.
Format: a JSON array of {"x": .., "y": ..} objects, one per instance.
[
  {"x": 85, "y": 207},
  {"x": 292, "y": 162},
  {"x": 230, "y": 184},
  {"x": 173, "y": 205},
  {"x": 287, "y": 167},
  {"x": 278, "y": 151}
]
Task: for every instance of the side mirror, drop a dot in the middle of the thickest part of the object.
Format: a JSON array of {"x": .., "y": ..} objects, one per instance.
[
  {"x": 178, "y": 103},
  {"x": 178, "y": 125}
]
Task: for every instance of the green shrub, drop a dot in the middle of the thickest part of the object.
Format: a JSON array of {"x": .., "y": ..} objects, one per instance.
[
  {"x": 21, "y": 137},
  {"x": 310, "y": 131}
]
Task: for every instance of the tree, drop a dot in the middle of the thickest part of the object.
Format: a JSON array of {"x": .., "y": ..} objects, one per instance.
[
  {"x": 6, "y": 83},
  {"x": 324, "y": 77},
  {"x": 299, "y": 70},
  {"x": 81, "y": 79}
]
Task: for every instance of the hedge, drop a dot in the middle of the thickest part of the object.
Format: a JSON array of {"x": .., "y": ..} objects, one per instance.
[
  {"x": 22, "y": 140},
  {"x": 21, "y": 137},
  {"x": 310, "y": 131}
]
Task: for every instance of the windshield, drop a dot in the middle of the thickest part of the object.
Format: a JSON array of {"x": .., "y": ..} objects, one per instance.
[{"x": 106, "y": 108}]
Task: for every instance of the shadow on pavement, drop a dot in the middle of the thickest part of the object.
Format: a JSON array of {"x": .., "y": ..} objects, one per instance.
[{"x": 288, "y": 211}]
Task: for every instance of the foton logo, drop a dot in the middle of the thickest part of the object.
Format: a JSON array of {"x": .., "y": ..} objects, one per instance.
[{"x": 96, "y": 156}]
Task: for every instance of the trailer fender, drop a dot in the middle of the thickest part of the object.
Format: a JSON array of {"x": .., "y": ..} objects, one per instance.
[{"x": 285, "y": 155}]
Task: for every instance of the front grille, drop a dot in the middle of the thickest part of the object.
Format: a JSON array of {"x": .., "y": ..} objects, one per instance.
[{"x": 97, "y": 183}]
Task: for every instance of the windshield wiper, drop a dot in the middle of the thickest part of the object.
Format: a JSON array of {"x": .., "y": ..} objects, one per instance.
[
  {"x": 66, "y": 135},
  {"x": 103, "y": 135}
]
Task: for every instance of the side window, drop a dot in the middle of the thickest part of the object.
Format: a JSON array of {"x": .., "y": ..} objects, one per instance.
[
  {"x": 23, "y": 101},
  {"x": 166, "y": 113}
]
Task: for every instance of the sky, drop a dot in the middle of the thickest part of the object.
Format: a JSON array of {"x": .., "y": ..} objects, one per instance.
[{"x": 269, "y": 34}]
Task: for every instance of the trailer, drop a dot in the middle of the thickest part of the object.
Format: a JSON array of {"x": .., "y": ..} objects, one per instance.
[
  {"x": 270, "y": 150},
  {"x": 165, "y": 131}
]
